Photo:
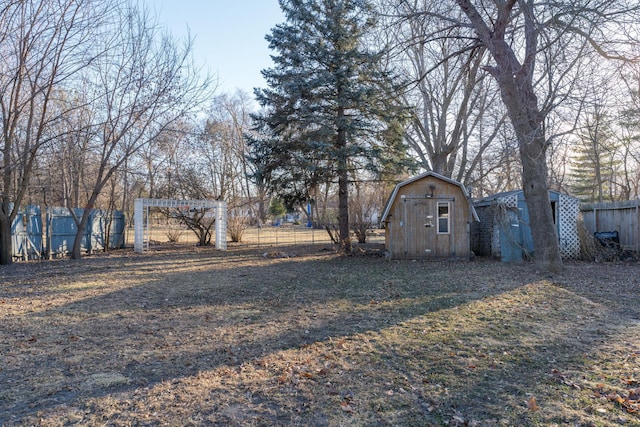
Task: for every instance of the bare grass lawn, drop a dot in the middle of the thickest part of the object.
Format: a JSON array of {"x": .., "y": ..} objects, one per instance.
[{"x": 193, "y": 336}]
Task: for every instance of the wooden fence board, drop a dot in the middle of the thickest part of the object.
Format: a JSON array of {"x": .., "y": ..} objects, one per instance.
[{"x": 623, "y": 217}]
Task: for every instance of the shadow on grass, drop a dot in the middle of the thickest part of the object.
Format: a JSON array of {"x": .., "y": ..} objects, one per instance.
[{"x": 202, "y": 312}]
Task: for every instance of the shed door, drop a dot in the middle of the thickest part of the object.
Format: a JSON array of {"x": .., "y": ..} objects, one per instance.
[{"x": 428, "y": 228}]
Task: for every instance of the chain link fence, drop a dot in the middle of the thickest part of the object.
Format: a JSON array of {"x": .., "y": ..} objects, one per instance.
[{"x": 254, "y": 237}]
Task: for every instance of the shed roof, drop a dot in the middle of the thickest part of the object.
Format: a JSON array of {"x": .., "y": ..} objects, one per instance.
[
  {"x": 493, "y": 198},
  {"x": 397, "y": 188}
]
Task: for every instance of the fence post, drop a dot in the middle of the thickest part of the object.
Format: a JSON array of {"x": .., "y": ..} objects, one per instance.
[
  {"x": 48, "y": 220},
  {"x": 138, "y": 226}
]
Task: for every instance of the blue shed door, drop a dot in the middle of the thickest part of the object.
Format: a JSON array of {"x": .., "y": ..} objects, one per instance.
[{"x": 511, "y": 240}]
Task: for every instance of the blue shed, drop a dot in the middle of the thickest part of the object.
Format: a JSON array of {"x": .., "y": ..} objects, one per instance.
[{"x": 504, "y": 231}]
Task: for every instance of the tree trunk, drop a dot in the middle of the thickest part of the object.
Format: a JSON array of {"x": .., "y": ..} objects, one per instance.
[
  {"x": 343, "y": 187},
  {"x": 343, "y": 211},
  {"x": 76, "y": 251},
  {"x": 6, "y": 245},
  {"x": 202, "y": 236},
  {"x": 262, "y": 210},
  {"x": 536, "y": 194},
  {"x": 528, "y": 125},
  {"x": 515, "y": 81}
]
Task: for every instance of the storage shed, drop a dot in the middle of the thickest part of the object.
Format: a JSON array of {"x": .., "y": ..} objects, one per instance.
[
  {"x": 504, "y": 232},
  {"x": 428, "y": 216}
]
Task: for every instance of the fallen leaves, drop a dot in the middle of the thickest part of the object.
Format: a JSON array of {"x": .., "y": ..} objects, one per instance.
[
  {"x": 630, "y": 403},
  {"x": 462, "y": 348},
  {"x": 562, "y": 378},
  {"x": 634, "y": 394},
  {"x": 341, "y": 344},
  {"x": 347, "y": 404}
]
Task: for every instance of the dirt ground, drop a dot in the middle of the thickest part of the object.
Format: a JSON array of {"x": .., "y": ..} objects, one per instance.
[{"x": 301, "y": 336}]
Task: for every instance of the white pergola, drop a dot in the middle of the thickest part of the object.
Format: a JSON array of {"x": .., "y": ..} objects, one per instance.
[{"x": 141, "y": 218}]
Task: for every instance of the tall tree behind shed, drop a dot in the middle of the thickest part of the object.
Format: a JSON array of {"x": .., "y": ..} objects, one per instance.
[
  {"x": 457, "y": 116},
  {"x": 538, "y": 50},
  {"x": 596, "y": 158},
  {"x": 329, "y": 108}
]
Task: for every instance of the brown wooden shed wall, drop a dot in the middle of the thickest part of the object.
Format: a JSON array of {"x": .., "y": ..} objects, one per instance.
[{"x": 412, "y": 223}]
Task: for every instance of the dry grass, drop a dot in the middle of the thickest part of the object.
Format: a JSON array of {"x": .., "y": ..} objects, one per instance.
[
  {"x": 267, "y": 236},
  {"x": 197, "y": 337}
]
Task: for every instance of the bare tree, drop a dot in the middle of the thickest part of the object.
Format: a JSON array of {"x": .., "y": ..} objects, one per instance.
[
  {"x": 142, "y": 82},
  {"x": 537, "y": 51},
  {"x": 42, "y": 45},
  {"x": 230, "y": 119},
  {"x": 67, "y": 160},
  {"x": 454, "y": 120},
  {"x": 162, "y": 161},
  {"x": 630, "y": 131},
  {"x": 366, "y": 206},
  {"x": 213, "y": 162},
  {"x": 200, "y": 221},
  {"x": 221, "y": 149},
  {"x": 235, "y": 111}
]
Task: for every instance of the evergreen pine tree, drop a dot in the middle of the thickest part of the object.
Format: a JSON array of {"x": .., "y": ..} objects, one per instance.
[
  {"x": 276, "y": 209},
  {"x": 329, "y": 107},
  {"x": 595, "y": 164}
]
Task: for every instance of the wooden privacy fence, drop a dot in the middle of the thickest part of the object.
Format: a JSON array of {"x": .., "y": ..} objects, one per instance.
[
  {"x": 26, "y": 233},
  {"x": 623, "y": 217}
]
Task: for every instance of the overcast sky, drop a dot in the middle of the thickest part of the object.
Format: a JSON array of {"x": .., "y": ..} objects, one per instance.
[{"x": 229, "y": 36}]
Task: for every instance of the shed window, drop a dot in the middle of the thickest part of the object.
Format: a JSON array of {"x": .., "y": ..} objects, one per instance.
[{"x": 443, "y": 217}]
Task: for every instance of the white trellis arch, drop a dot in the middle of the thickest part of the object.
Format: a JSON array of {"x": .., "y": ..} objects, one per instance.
[{"x": 141, "y": 221}]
